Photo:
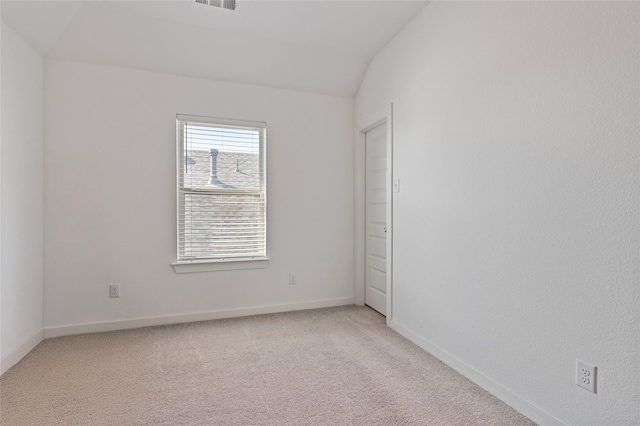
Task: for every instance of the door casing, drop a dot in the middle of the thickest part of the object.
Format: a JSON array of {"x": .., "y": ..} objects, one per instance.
[{"x": 360, "y": 208}]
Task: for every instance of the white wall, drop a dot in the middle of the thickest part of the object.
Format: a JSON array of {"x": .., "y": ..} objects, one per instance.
[
  {"x": 21, "y": 198},
  {"x": 110, "y": 198},
  {"x": 516, "y": 231}
]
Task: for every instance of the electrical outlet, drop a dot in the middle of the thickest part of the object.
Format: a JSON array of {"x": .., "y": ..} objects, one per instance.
[
  {"x": 114, "y": 290},
  {"x": 293, "y": 279},
  {"x": 586, "y": 375}
]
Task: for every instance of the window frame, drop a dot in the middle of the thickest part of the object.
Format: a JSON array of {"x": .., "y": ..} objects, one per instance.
[{"x": 231, "y": 262}]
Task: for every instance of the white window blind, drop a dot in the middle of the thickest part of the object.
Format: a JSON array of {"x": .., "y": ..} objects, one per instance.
[{"x": 222, "y": 193}]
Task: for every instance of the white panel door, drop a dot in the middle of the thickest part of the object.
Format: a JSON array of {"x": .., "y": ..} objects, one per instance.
[{"x": 376, "y": 218}]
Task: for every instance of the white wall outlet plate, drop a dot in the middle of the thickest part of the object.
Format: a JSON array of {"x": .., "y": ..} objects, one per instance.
[
  {"x": 293, "y": 279},
  {"x": 586, "y": 375},
  {"x": 114, "y": 290}
]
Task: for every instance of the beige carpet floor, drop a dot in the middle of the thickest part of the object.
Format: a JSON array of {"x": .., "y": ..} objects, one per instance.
[{"x": 336, "y": 366}]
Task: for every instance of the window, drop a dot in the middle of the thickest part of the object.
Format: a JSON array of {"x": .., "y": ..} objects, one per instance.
[{"x": 221, "y": 189}]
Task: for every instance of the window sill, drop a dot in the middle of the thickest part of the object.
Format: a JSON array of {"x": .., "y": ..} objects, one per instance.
[{"x": 187, "y": 267}]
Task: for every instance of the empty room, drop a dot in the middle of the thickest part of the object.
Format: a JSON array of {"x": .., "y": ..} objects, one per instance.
[{"x": 256, "y": 212}]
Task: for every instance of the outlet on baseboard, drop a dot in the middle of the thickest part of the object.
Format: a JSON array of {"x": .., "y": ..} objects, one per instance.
[
  {"x": 114, "y": 290},
  {"x": 586, "y": 375}
]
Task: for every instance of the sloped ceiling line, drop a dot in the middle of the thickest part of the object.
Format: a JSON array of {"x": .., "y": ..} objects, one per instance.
[{"x": 315, "y": 46}]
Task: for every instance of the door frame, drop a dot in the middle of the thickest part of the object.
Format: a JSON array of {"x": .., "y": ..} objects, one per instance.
[{"x": 360, "y": 206}]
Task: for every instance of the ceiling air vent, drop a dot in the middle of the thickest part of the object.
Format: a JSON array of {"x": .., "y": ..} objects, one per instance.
[{"x": 225, "y": 4}]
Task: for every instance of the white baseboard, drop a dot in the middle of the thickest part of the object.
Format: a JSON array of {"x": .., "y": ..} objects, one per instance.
[
  {"x": 95, "y": 327},
  {"x": 21, "y": 351},
  {"x": 499, "y": 391}
]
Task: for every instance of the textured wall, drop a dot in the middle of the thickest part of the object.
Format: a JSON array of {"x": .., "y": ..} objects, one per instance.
[
  {"x": 516, "y": 231},
  {"x": 22, "y": 191},
  {"x": 110, "y": 195}
]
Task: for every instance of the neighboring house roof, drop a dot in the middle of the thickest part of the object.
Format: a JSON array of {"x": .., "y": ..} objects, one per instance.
[{"x": 231, "y": 170}]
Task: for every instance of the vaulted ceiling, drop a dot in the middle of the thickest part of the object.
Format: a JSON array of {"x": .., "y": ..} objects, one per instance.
[{"x": 317, "y": 46}]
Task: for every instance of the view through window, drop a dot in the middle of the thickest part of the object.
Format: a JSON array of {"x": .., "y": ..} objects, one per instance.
[{"x": 221, "y": 189}]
